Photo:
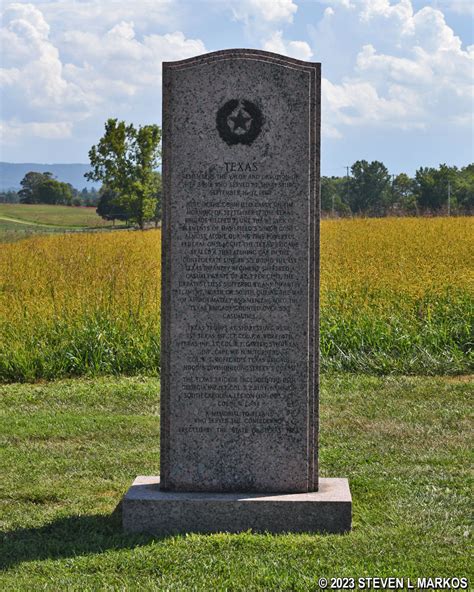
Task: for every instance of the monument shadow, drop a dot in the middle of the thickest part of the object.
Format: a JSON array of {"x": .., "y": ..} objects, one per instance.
[{"x": 68, "y": 536}]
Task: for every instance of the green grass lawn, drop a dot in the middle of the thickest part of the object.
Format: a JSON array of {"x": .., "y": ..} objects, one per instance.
[
  {"x": 70, "y": 449},
  {"x": 19, "y": 221},
  {"x": 64, "y": 216}
]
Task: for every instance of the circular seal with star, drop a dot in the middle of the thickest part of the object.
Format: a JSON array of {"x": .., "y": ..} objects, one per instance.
[{"x": 239, "y": 122}]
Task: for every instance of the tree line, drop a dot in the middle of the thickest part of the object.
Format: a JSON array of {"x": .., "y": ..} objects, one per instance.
[
  {"x": 125, "y": 162},
  {"x": 126, "y": 158},
  {"x": 43, "y": 188},
  {"x": 371, "y": 191}
]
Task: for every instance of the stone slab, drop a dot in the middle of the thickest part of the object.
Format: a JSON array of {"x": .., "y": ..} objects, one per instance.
[
  {"x": 240, "y": 273},
  {"x": 148, "y": 509}
]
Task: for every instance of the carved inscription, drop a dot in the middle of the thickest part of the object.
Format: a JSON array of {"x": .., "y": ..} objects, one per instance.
[{"x": 238, "y": 283}]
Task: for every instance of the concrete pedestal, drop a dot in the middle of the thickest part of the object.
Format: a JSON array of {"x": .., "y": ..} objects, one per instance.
[{"x": 147, "y": 509}]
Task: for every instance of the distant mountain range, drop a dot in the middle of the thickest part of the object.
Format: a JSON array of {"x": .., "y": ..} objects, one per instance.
[{"x": 11, "y": 174}]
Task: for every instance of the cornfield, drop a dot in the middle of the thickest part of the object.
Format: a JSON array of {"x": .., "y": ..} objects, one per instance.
[{"x": 396, "y": 297}]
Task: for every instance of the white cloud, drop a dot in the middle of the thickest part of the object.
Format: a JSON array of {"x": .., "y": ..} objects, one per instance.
[
  {"x": 14, "y": 130},
  {"x": 456, "y": 6},
  {"x": 295, "y": 49},
  {"x": 69, "y": 64},
  {"x": 53, "y": 82},
  {"x": 359, "y": 103},
  {"x": 34, "y": 73},
  {"x": 260, "y": 17},
  {"x": 400, "y": 13},
  {"x": 400, "y": 68},
  {"x": 273, "y": 11},
  {"x": 117, "y": 66},
  {"x": 345, "y": 3},
  {"x": 102, "y": 15},
  {"x": 9, "y": 76}
]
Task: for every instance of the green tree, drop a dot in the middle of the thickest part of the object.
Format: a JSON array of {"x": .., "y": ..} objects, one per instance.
[
  {"x": 369, "y": 188},
  {"x": 29, "y": 186},
  {"x": 431, "y": 186},
  {"x": 464, "y": 188},
  {"x": 157, "y": 191},
  {"x": 108, "y": 208},
  {"x": 89, "y": 197},
  {"x": 333, "y": 191},
  {"x": 125, "y": 160},
  {"x": 51, "y": 191},
  {"x": 9, "y": 196},
  {"x": 403, "y": 198}
]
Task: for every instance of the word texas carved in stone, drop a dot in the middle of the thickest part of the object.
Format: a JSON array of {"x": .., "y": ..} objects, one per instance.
[{"x": 240, "y": 302}]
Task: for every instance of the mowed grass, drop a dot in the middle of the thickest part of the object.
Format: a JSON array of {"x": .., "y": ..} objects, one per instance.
[
  {"x": 70, "y": 450},
  {"x": 396, "y": 297},
  {"x": 52, "y": 215}
]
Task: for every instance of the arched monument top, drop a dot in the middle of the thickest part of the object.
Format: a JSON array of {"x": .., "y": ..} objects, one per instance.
[{"x": 242, "y": 53}]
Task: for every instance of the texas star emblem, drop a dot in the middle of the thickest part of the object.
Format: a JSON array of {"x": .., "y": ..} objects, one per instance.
[{"x": 239, "y": 121}]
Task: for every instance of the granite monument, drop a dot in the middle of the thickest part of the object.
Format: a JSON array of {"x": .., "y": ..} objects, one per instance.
[{"x": 240, "y": 303}]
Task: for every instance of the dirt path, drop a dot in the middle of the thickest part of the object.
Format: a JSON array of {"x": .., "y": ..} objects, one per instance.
[
  {"x": 31, "y": 223},
  {"x": 64, "y": 228}
]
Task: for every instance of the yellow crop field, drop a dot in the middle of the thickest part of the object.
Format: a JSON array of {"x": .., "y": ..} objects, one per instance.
[
  {"x": 66, "y": 276},
  {"x": 406, "y": 258},
  {"x": 396, "y": 296}
]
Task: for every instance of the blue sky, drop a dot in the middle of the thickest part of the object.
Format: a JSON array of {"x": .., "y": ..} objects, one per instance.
[{"x": 397, "y": 74}]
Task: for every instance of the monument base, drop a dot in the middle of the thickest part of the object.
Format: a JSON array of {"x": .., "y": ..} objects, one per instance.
[{"x": 147, "y": 509}]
